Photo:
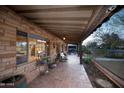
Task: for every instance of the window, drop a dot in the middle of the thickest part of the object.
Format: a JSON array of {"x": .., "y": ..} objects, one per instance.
[
  {"x": 36, "y": 47},
  {"x": 21, "y": 47}
]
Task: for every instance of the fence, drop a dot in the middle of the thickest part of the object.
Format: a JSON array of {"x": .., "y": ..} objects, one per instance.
[{"x": 108, "y": 53}]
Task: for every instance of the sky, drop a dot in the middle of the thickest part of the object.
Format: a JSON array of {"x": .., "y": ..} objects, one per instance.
[{"x": 114, "y": 24}]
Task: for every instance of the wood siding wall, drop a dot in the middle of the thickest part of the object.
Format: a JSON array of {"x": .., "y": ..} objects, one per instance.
[{"x": 10, "y": 22}]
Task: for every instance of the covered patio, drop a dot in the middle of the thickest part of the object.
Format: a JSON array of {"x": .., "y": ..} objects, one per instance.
[{"x": 27, "y": 32}]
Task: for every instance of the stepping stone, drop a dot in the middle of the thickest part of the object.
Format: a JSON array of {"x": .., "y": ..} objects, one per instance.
[{"x": 103, "y": 83}]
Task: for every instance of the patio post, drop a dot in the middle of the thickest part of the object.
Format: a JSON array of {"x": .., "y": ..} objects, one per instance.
[{"x": 80, "y": 52}]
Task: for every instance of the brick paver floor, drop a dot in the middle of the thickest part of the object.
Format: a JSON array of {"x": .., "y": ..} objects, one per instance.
[{"x": 68, "y": 74}]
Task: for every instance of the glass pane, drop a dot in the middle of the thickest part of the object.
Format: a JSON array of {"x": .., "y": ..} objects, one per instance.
[
  {"x": 21, "y": 49},
  {"x": 36, "y": 47}
]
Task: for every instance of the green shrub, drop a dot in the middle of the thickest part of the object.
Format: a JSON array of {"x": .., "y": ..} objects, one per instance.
[
  {"x": 87, "y": 59},
  {"x": 45, "y": 59},
  {"x": 86, "y": 50}
]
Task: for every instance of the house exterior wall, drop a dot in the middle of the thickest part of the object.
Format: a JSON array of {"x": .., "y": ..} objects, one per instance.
[{"x": 10, "y": 22}]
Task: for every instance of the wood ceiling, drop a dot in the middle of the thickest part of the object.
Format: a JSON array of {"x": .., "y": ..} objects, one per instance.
[{"x": 70, "y": 21}]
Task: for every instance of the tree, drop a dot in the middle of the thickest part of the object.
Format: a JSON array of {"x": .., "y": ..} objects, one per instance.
[
  {"x": 92, "y": 45},
  {"x": 110, "y": 41},
  {"x": 85, "y": 50},
  {"x": 110, "y": 33}
]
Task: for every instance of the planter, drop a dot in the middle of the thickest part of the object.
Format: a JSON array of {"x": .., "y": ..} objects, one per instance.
[
  {"x": 17, "y": 81},
  {"x": 52, "y": 65}
]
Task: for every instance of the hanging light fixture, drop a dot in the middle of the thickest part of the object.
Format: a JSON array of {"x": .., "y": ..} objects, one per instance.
[{"x": 64, "y": 38}]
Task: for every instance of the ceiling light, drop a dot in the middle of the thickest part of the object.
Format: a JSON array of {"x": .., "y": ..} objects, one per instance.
[{"x": 64, "y": 38}]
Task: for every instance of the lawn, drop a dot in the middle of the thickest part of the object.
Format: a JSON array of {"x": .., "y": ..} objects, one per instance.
[{"x": 116, "y": 68}]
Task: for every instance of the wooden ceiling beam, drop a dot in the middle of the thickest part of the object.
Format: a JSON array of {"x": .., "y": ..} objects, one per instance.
[
  {"x": 66, "y": 27},
  {"x": 80, "y": 8},
  {"x": 80, "y": 23},
  {"x": 61, "y": 19},
  {"x": 66, "y": 31},
  {"x": 62, "y": 24}
]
